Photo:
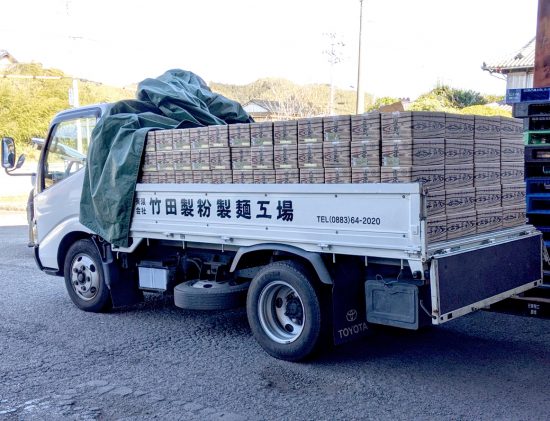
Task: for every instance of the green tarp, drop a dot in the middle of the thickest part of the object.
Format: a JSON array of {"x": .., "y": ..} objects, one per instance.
[{"x": 177, "y": 99}]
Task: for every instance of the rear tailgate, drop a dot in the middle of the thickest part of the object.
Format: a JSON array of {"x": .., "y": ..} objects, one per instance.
[{"x": 464, "y": 280}]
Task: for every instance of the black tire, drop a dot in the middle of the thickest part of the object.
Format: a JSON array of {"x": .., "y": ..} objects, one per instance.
[
  {"x": 84, "y": 278},
  {"x": 284, "y": 311},
  {"x": 204, "y": 295}
]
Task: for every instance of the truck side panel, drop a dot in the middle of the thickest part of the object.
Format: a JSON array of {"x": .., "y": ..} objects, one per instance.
[{"x": 366, "y": 220}]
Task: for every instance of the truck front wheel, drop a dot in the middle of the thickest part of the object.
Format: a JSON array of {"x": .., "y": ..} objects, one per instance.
[
  {"x": 284, "y": 311},
  {"x": 84, "y": 277}
]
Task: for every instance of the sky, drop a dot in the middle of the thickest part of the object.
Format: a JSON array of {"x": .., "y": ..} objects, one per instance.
[{"x": 409, "y": 46}]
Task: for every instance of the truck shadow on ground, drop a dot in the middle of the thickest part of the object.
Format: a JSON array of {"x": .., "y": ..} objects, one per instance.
[
  {"x": 450, "y": 346},
  {"x": 464, "y": 342}
]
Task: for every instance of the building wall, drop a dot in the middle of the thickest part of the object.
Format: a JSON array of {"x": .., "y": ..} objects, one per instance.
[
  {"x": 516, "y": 80},
  {"x": 5, "y": 62}
]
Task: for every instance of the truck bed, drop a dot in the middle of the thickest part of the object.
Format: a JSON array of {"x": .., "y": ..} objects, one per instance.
[{"x": 381, "y": 222}]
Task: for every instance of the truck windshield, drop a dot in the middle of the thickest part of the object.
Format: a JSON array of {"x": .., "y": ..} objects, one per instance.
[{"x": 68, "y": 148}]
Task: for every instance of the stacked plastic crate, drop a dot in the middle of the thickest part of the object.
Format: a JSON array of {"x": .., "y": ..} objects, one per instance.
[
  {"x": 533, "y": 106},
  {"x": 536, "y": 136}
]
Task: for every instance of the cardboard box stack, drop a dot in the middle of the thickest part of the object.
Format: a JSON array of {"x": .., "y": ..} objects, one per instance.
[
  {"x": 285, "y": 152},
  {"x": 337, "y": 149},
  {"x": 413, "y": 150},
  {"x": 512, "y": 172},
  {"x": 310, "y": 150},
  {"x": 365, "y": 148},
  {"x": 460, "y": 193},
  {"x": 470, "y": 167}
]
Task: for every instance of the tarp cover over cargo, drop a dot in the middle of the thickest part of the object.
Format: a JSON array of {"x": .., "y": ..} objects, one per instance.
[{"x": 177, "y": 99}]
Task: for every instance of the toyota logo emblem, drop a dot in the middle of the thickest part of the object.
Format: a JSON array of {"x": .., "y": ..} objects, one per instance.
[{"x": 351, "y": 315}]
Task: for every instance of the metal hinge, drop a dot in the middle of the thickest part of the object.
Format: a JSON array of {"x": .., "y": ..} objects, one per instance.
[{"x": 413, "y": 252}]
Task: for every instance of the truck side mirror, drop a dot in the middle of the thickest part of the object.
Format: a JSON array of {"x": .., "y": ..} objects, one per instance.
[
  {"x": 20, "y": 161},
  {"x": 8, "y": 153}
]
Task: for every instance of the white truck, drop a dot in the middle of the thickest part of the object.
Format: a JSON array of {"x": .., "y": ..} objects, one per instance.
[{"x": 311, "y": 262}]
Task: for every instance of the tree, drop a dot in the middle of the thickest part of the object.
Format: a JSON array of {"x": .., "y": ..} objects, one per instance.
[
  {"x": 379, "y": 102},
  {"x": 303, "y": 100},
  {"x": 466, "y": 98},
  {"x": 27, "y": 105}
]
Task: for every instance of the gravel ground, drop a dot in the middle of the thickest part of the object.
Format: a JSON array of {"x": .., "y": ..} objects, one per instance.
[{"x": 155, "y": 361}]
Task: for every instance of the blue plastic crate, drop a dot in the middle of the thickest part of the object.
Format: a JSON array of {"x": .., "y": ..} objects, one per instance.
[
  {"x": 538, "y": 203},
  {"x": 537, "y": 185}
]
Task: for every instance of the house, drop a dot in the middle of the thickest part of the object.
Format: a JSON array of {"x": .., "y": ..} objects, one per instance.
[
  {"x": 262, "y": 110},
  {"x": 6, "y": 59},
  {"x": 518, "y": 69}
]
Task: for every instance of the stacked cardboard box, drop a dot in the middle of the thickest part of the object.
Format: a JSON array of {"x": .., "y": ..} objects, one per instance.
[
  {"x": 470, "y": 167},
  {"x": 413, "y": 150},
  {"x": 200, "y": 155},
  {"x": 487, "y": 147},
  {"x": 337, "y": 149},
  {"x": 219, "y": 155},
  {"x": 365, "y": 148},
  {"x": 460, "y": 194},
  {"x": 240, "y": 152},
  {"x": 285, "y": 152},
  {"x": 310, "y": 150},
  {"x": 512, "y": 172}
]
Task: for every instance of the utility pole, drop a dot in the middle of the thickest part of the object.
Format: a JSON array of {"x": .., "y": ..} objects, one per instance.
[
  {"x": 360, "y": 103},
  {"x": 542, "y": 46},
  {"x": 74, "y": 99},
  {"x": 334, "y": 57}
]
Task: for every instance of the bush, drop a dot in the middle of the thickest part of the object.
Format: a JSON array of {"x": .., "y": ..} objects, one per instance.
[
  {"x": 385, "y": 100},
  {"x": 485, "y": 110}
]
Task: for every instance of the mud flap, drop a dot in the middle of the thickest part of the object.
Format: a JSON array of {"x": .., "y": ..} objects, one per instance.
[
  {"x": 124, "y": 288},
  {"x": 349, "y": 318}
]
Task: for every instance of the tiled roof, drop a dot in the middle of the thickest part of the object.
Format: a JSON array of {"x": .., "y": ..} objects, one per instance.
[
  {"x": 270, "y": 106},
  {"x": 4, "y": 53},
  {"x": 523, "y": 59}
]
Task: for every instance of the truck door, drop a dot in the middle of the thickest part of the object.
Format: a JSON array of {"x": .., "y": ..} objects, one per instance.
[{"x": 60, "y": 175}]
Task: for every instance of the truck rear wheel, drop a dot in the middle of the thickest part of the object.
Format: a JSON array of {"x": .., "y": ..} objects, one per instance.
[
  {"x": 84, "y": 278},
  {"x": 284, "y": 311}
]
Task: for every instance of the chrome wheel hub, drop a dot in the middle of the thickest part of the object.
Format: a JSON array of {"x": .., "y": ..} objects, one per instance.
[
  {"x": 281, "y": 312},
  {"x": 84, "y": 277}
]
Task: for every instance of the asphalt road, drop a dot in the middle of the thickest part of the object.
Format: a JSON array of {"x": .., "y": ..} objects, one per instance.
[{"x": 155, "y": 361}]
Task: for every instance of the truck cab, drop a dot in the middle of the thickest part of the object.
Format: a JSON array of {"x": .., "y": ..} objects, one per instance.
[{"x": 58, "y": 182}]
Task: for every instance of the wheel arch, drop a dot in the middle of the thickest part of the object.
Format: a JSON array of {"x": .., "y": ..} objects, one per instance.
[
  {"x": 123, "y": 291},
  {"x": 65, "y": 245},
  {"x": 310, "y": 259}
]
